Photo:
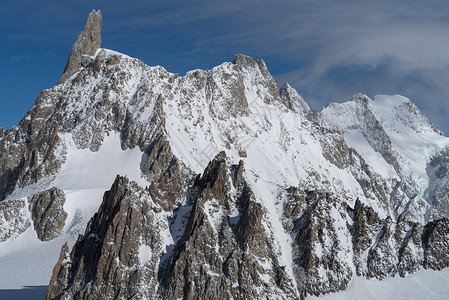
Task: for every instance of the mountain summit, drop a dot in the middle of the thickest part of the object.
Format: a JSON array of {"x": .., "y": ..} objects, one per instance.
[
  {"x": 217, "y": 184},
  {"x": 88, "y": 41}
]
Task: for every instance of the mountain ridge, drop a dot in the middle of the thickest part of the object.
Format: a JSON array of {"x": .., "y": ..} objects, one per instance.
[{"x": 237, "y": 184}]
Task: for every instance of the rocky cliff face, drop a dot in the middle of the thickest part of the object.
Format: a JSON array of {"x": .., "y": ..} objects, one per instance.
[
  {"x": 238, "y": 190},
  {"x": 31, "y": 150},
  {"x": 222, "y": 252},
  {"x": 118, "y": 255}
]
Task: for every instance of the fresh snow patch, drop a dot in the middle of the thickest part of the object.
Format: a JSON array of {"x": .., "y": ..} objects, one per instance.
[
  {"x": 27, "y": 261},
  {"x": 85, "y": 169},
  {"x": 145, "y": 254},
  {"x": 424, "y": 284}
]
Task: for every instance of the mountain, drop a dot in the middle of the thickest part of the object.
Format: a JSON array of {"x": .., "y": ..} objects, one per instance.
[{"x": 217, "y": 184}]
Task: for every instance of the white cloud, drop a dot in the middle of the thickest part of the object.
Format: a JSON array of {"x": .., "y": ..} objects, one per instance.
[{"x": 374, "y": 47}]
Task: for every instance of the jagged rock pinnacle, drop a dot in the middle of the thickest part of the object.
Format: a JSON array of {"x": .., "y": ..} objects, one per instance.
[
  {"x": 290, "y": 97},
  {"x": 248, "y": 61},
  {"x": 88, "y": 42}
]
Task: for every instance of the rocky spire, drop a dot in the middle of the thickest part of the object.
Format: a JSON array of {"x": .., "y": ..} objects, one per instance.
[
  {"x": 88, "y": 42},
  {"x": 291, "y": 98}
]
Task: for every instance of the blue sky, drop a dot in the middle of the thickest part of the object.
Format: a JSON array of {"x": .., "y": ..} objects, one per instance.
[{"x": 328, "y": 50}]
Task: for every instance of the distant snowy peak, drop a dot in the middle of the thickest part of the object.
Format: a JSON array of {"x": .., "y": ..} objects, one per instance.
[
  {"x": 397, "y": 140},
  {"x": 399, "y": 113},
  {"x": 393, "y": 112},
  {"x": 388, "y": 120}
]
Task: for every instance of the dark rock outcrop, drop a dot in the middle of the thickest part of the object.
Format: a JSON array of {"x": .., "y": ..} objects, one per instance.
[
  {"x": 117, "y": 256},
  {"x": 326, "y": 232},
  {"x": 320, "y": 247},
  {"x": 60, "y": 275},
  {"x": 30, "y": 151},
  {"x": 265, "y": 79},
  {"x": 438, "y": 168},
  {"x": 411, "y": 253},
  {"x": 48, "y": 213},
  {"x": 436, "y": 244},
  {"x": 385, "y": 248},
  {"x": 168, "y": 178},
  {"x": 219, "y": 256}
]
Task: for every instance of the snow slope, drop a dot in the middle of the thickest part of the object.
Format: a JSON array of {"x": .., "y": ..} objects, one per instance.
[
  {"x": 423, "y": 284},
  {"x": 85, "y": 176}
]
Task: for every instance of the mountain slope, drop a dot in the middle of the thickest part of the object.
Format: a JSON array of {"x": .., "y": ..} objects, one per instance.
[{"x": 233, "y": 187}]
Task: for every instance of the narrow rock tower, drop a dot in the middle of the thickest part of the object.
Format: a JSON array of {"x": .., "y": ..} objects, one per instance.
[{"x": 88, "y": 41}]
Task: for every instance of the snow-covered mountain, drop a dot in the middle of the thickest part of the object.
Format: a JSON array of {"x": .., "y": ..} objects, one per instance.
[{"x": 217, "y": 184}]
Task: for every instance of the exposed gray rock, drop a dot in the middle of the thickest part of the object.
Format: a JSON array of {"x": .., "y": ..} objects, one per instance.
[
  {"x": 60, "y": 275},
  {"x": 380, "y": 247},
  {"x": 247, "y": 61},
  {"x": 236, "y": 103},
  {"x": 334, "y": 148},
  {"x": 266, "y": 80},
  {"x": 320, "y": 246},
  {"x": 14, "y": 219},
  {"x": 47, "y": 211},
  {"x": 99, "y": 60},
  {"x": 375, "y": 133},
  {"x": 383, "y": 256},
  {"x": 366, "y": 225},
  {"x": 217, "y": 257},
  {"x": 402, "y": 195},
  {"x": 30, "y": 151},
  {"x": 88, "y": 41},
  {"x": 86, "y": 61},
  {"x": 293, "y": 100},
  {"x": 385, "y": 248},
  {"x": 438, "y": 169},
  {"x": 237, "y": 175},
  {"x": 436, "y": 244},
  {"x": 373, "y": 185},
  {"x": 159, "y": 159},
  {"x": 169, "y": 179},
  {"x": 337, "y": 152},
  {"x": 220, "y": 257},
  {"x": 411, "y": 252}
]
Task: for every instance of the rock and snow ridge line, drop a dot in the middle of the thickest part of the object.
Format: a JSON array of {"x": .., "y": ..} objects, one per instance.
[
  {"x": 171, "y": 127},
  {"x": 239, "y": 155}
]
